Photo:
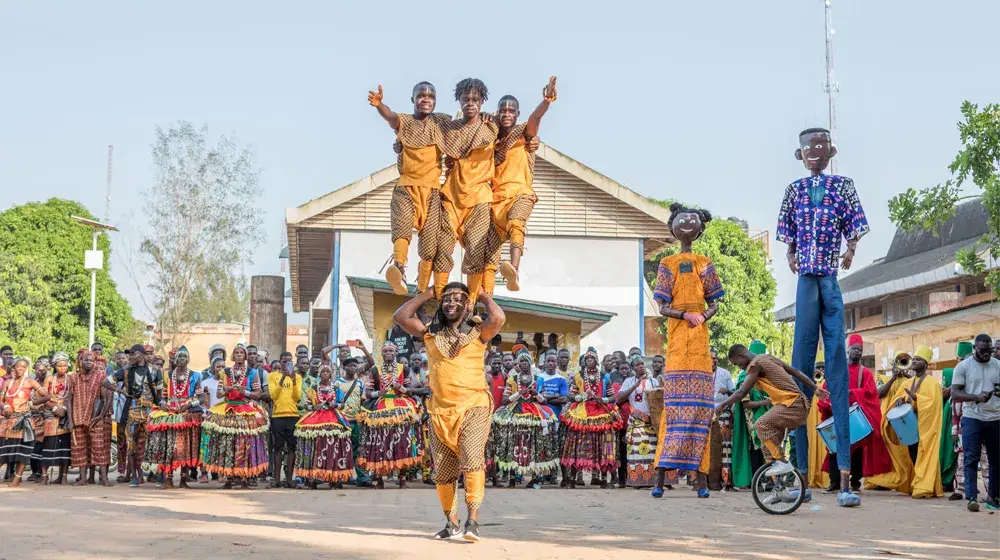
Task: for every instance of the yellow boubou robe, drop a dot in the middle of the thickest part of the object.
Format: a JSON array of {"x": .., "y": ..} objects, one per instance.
[
  {"x": 899, "y": 477},
  {"x": 818, "y": 478},
  {"x": 923, "y": 478}
]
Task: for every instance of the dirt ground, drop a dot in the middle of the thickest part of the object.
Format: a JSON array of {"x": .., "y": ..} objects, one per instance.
[{"x": 589, "y": 523}]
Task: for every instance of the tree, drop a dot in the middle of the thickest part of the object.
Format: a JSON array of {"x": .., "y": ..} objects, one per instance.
[
  {"x": 224, "y": 297},
  {"x": 28, "y": 312},
  {"x": 979, "y": 159},
  {"x": 43, "y": 252},
  {"x": 202, "y": 217},
  {"x": 746, "y": 313}
]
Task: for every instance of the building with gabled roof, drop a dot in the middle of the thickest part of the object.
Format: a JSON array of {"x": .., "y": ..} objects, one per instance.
[{"x": 582, "y": 270}]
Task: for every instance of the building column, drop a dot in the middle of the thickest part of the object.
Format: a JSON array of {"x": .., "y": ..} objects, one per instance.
[{"x": 335, "y": 289}]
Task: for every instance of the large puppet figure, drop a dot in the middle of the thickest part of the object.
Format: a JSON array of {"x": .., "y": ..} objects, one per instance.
[
  {"x": 688, "y": 290},
  {"x": 816, "y": 212}
]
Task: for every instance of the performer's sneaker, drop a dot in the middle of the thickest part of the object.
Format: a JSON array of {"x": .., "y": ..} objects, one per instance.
[
  {"x": 846, "y": 498},
  {"x": 973, "y": 505},
  {"x": 396, "y": 279},
  {"x": 779, "y": 468},
  {"x": 992, "y": 504},
  {"x": 510, "y": 276},
  {"x": 471, "y": 531},
  {"x": 450, "y": 532}
]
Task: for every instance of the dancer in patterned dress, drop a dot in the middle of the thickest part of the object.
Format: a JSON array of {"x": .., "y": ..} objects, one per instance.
[
  {"x": 56, "y": 446},
  {"x": 235, "y": 430},
  {"x": 416, "y": 199},
  {"x": 592, "y": 421},
  {"x": 323, "y": 435},
  {"x": 525, "y": 432},
  {"x": 640, "y": 435},
  {"x": 460, "y": 406},
  {"x": 18, "y": 443},
  {"x": 687, "y": 289},
  {"x": 513, "y": 197},
  {"x": 174, "y": 429},
  {"x": 391, "y": 435}
]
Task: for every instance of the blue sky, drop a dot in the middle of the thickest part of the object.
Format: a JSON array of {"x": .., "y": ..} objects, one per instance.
[{"x": 700, "y": 101}]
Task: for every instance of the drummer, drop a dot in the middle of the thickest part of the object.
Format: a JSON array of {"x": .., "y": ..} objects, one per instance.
[
  {"x": 923, "y": 393},
  {"x": 869, "y": 457}
]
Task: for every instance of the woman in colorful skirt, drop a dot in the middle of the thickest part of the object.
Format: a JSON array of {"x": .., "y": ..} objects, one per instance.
[
  {"x": 323, "y": 435},
  {"x": 234, "y": 432},
  {"x": 174, "y": 431},
  {"x": 687, "y": 289},
  {"x": 592, "y": 421},
  {"x": 17, "y": 429},
  {"x": 525, "y": 432},
  {"x": 640, "y": 435},
  {"x": 56, "y": 445},
  {"x": 392, "y": 437}
]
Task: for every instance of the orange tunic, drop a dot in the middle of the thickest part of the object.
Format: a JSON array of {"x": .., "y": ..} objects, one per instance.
[{"x": 456, "y": 386}]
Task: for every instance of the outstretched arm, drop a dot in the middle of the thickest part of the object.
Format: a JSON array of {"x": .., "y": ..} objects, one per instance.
[
  {"x": 495, "y": 318},
  {"x": 549, "y": 94},
  {"x": 743, "y": 389},
  {"x": 406, "y": 315},
  {"x": 375, "y": 100}
]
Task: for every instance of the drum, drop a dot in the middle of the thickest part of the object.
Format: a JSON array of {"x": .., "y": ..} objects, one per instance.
[
  {"x": 904, "y": 422},
  {"x": 655, "y": 401},
  {"x": 858, "y": 423}
]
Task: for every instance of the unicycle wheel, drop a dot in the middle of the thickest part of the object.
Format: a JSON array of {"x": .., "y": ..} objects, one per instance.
[{"x": 778, "y": 495}]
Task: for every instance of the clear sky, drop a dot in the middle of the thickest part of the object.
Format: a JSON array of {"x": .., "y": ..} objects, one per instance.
[{"x": 699, "y": 101}]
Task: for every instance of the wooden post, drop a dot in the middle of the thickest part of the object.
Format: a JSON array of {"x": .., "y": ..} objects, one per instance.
[{"x": 267, "y": 314}]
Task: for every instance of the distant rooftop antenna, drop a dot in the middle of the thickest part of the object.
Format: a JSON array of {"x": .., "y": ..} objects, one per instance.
[{"x": 831, "y": 87}]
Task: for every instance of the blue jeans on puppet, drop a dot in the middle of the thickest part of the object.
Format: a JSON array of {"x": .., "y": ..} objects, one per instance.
[{"x": 819, "y": 306}]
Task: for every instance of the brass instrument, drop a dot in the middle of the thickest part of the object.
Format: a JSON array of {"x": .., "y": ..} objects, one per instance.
[{"x": 902, "y": 362}]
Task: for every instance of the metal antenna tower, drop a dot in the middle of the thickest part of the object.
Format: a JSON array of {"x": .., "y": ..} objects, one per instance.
[{"x": 831, "y": 87}]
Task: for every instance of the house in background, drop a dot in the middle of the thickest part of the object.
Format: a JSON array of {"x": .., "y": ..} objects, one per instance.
[
  {"x": 918, "y": 295},
  {"x": 581, "y": 274}
]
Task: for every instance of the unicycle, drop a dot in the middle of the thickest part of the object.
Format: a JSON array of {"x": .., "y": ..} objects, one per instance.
[{"x": 780, "y": 492}]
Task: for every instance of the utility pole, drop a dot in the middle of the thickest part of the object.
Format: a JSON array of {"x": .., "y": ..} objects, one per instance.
[{"x": 831, "y": 87}]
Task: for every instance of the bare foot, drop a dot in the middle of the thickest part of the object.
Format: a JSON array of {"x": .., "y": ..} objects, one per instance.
[
  {"x": 45, "y": 480},
  {"x": 15, "y": 482},
  {"x": 184, "y": 482},
  {"x": 228, "y": 485},
  {"x": 106, "y": 483},
  {"x": 81, "y": 482}
]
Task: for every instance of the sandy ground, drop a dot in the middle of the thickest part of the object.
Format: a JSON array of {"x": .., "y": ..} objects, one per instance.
[{"x": 588, "y": 523}]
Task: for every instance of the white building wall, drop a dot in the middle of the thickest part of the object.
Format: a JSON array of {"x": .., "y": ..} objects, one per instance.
[{"x": 583, "y": 272}]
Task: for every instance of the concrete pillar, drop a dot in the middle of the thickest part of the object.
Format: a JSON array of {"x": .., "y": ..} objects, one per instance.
[{"x": 267, "y": 314}]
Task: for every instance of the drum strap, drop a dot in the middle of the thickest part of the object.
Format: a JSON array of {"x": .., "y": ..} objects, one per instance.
[{"x": 915, "y": 386}]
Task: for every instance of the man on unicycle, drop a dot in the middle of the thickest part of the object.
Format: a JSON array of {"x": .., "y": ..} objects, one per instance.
[{"x": 789, "y": 410}]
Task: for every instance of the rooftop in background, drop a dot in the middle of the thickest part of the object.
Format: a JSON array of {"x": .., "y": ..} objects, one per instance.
[{"x": 915, "y": 259}]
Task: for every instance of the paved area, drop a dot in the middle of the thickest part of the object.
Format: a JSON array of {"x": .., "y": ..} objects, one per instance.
[{"x": 589, "y": 523}]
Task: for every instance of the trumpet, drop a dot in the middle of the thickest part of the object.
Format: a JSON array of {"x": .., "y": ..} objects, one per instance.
[{"x": 902, "y": 362}]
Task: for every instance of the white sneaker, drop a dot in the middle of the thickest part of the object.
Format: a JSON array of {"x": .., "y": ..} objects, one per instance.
[
  {"x": 771, "y": 499},
  {"x": 779, "y": 468}
]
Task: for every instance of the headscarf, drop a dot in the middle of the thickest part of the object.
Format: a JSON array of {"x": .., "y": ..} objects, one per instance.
[
  {"x": 60, "y": 357},
  {"x": 18, "y": 360},
  {"x": 182, "y": 351},
  {"x": 389, "y": 344},
  {"x": 148, "y": 348}
]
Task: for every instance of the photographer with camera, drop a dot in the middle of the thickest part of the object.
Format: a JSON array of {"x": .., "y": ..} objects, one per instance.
[{"x": 977, "y": 384}]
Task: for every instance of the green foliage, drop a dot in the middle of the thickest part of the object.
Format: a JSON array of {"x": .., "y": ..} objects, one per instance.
[
  {"x": 979, "y": 159},
  {"x": 746, "y": 311},
  {"x": 202, "y": 219},
  {"x": 45, "y": 301}
]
